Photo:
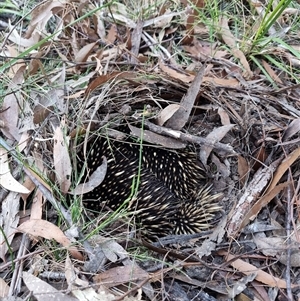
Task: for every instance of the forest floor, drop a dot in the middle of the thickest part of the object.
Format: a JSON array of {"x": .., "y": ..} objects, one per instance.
[{"x": 222, "y": 76}]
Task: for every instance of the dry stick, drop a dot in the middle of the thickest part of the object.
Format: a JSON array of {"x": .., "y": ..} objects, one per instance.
[
  {"x": 153, "y": 276},
  {"x": 9, "y": 263},
  {"x": 189, "y": 138},
  {"x": 138, "y": 286},
  {"x": 285, "y": 89},
  {"x": 288, "y": 233},
  {"x": 288, "y": 222},
  {"x": 179, "y": 238},
  {"x": 15, "y": 285}
]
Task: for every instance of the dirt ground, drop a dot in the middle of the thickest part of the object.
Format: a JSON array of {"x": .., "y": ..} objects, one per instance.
[{"x": 218, "y": 80}]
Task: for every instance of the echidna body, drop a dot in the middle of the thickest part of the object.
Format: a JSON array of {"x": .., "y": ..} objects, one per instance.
[{"x": 169, "y": 198}]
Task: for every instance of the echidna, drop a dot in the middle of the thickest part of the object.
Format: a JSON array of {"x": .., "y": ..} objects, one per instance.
[{"x": 169, "y": 200}]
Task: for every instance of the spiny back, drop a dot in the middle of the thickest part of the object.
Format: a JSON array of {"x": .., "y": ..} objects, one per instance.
[{"x": 168, "y": 200}]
